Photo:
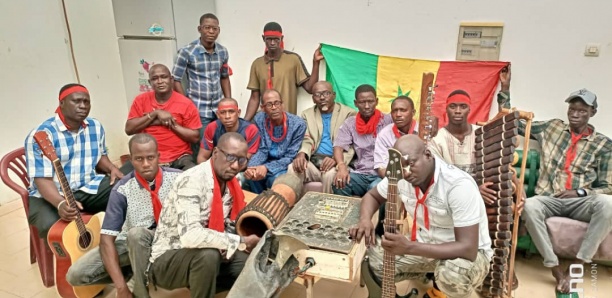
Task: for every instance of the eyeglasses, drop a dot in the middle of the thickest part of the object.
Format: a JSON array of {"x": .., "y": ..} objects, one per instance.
[
  {"x": 322, "y": 94},
  {"x": 211, "y": 28},
  {"x": 269, "y": 105},
  {"x": 233, "y": 158}
]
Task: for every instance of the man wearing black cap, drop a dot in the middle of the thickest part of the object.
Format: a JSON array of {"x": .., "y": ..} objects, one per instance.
[
  {"x": 575, "y": 180},
  {"x": 281, "y": 70}
]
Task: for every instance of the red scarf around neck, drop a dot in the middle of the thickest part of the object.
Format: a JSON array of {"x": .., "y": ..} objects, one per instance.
[
  {"x": 421, "y": 201},
  {"x": 571, "y": 155},
  {"x": 157, "y": 206},
  {"x": 217, "y": 220},
  {"x": 364, "y": 128},
  {"x": 398, "y": 133}
]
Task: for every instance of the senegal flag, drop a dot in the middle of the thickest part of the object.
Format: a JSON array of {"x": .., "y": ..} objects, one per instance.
[{"x": 392, "y": 76}]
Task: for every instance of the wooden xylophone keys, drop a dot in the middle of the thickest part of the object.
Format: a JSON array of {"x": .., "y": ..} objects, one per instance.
[{"x": 494, "y": 153}]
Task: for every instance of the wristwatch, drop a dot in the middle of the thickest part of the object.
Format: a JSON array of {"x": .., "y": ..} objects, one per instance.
[
  {"x": 581, "y": 192},
  {"x": 242, "y": 246}
]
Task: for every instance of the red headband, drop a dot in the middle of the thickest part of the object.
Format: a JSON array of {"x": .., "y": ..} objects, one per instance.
[
  {"x": 273, "y": 33},
  {"x": 71, "y": 90},
  {"x": 459, "y": 98},
  {"x": 227, "y": 107}
]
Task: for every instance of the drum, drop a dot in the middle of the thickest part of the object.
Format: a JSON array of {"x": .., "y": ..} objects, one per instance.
[{"x": 269, "y": 208}]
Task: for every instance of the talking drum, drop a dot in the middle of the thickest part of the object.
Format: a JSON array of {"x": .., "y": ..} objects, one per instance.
[{"x": 269, "y": 208}]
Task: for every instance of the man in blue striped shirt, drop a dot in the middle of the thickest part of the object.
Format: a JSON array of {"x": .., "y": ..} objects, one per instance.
[
  {"x": 205, "y": 62},
  {"x": 79, "y": 142}
]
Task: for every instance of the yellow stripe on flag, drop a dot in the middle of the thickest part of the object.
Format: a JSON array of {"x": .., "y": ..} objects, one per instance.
[{"x": 403, "y": 75}]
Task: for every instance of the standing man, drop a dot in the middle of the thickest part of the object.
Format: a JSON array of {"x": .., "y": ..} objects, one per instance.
[
  {"x": 281, "y": 70},
  {"x": 359, "y": 132},
  {"x": 80, "y": 144},
  {"x": 450, "y": 234},
  {"x": 315, "y": 161},
  {"x": 129, "y": 224},
  {"x": 168, "y": 116},
  {"x": 575, "y": 181},
  {"x": 228, "y": 120},
  {"x": 205, "y": 62},
  {"x": 402, "y": 111},
  {"x": 196, "y": 243},
  {"x": 281, "y": 138}
]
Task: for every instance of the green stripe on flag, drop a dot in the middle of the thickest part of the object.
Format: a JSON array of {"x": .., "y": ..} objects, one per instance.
[{"x": 347, "y": 69}]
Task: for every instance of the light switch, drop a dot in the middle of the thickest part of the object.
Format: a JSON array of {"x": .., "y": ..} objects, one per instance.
[{"x": 592, "y": 50}]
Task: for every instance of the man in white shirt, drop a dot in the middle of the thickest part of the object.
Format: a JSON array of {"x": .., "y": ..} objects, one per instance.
[{"x": 449, "y": 236}]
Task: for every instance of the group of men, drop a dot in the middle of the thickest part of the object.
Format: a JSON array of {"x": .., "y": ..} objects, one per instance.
[{"x": 170, "y": 211}]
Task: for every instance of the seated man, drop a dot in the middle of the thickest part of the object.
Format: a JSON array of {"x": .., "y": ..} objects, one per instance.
[
  {"x": 454, "y": 242},
  {"x": 402, "y": 111},
  {"x": 281, "y": 137},
  {"x": 195, "y": 243},
  {"x": 129, "y": 224},
  {"x": 315, "y": 161},
  {"x": 228, "y": 120},
  {"x": 80, "y": 144},
  {"x": 454, "y": 143},
  {"x": 359, "y": 132},
  {"x": 574, "y": 182},
  {"x": 168, "y": 116}
]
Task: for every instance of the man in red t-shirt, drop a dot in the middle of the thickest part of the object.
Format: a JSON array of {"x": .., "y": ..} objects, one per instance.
[
  {"x": 168, "y": 116},
  {"x": 228, "y": 120}
]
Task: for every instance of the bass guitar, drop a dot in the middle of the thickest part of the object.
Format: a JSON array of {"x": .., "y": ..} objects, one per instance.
[
  {"x": 392, "y": 216},
  {"x": 69, "y": 240}
]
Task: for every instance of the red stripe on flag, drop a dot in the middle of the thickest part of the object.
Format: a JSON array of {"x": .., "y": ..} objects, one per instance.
[{"x": 478, "y": 79}]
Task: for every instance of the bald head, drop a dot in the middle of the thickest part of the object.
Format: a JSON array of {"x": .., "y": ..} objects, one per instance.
[
  {"x": 228, "y": 101},
  {"x": 410, "y": 144},
  {"x": 161, "y": 67},
  {"x": 323, "y": 84}
]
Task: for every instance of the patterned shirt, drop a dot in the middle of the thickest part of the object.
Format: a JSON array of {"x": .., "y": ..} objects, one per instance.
[
  {"x": 591, "y": 169},
  {"x": 277, "y": 156},
  {"x": 79, "y": 153},
  {"x": 204, "y": 73},
  {"x": 385, "y": 140},
  {"x": 129, "y": 204},
  {"x": 363, "y": 144},
  {"x": 455, "y": 152},
  {"x": 183, "y": 222}
]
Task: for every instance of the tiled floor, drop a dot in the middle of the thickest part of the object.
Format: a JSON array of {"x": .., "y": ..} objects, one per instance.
[{"x": 20, "y": 279}]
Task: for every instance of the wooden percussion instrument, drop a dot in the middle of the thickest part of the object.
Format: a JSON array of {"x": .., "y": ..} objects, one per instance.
[
  {"x": 269, "y": 208},
  {"x": 322, "y": 222},
  {"x": 494, "y": 149}
]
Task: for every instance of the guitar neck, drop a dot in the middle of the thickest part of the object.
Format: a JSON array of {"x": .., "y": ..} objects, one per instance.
[
  {"x": 390, "y": 225},
  {"x": 68, "y": 195}
]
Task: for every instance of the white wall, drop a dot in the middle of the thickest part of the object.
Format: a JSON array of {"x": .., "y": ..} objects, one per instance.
[
  {"x": 543, "y": 39},
  {"x": 35, "y": 60}
]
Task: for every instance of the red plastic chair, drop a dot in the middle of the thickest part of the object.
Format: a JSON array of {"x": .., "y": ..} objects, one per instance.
[{"x": 39, "y": 250}]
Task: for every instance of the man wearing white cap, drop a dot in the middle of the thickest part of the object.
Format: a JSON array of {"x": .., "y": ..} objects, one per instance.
[{"x": 575, "y": 180}]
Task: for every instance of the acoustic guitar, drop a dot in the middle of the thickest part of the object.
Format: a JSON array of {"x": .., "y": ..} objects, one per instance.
[{"x": 69, "y": 240}]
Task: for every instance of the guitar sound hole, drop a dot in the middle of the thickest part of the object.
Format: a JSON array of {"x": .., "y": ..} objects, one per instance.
[{"x": 85, "y": 239}]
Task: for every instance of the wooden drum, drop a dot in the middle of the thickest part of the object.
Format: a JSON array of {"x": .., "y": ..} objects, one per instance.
[{"x": 269, "y": 208}]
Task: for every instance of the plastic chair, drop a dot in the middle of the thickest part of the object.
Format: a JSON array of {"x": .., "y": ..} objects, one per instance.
[{"x": 39, "y": 250}]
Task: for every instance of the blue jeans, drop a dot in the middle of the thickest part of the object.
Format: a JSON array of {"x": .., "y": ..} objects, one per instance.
[
  {"x": 263, "y": 184},
  {"x": 358, "y": 186}
]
